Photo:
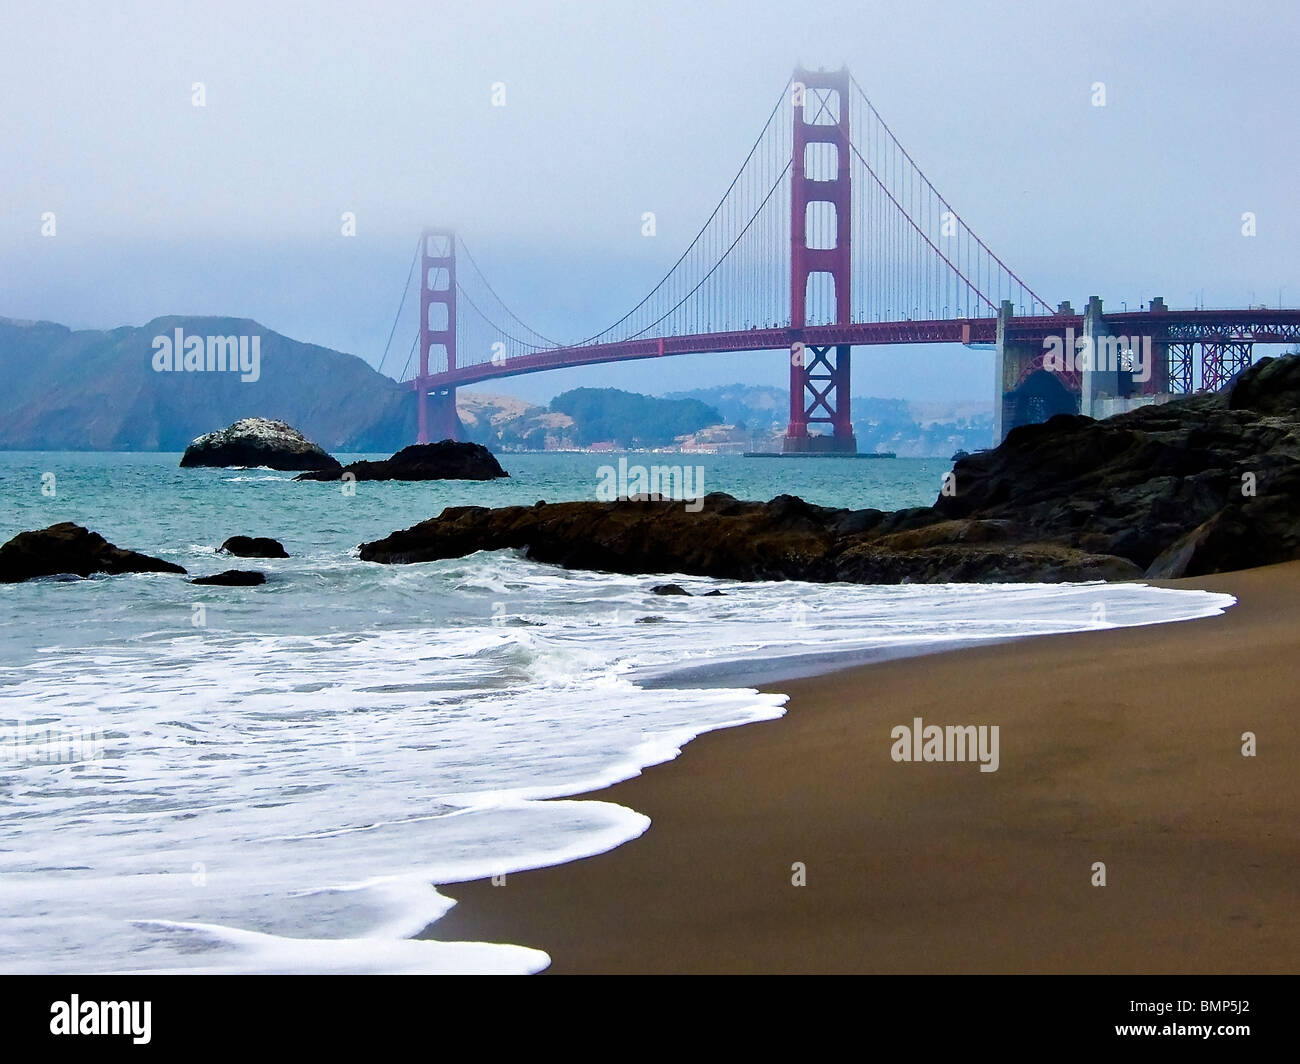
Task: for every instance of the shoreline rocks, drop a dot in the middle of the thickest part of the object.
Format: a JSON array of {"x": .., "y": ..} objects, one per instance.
[
  {"x": 447, "y": 460},
  {"x": 1190, "y": 487},
  {"x": 785, "y": 539},
  {"x": 67, "y": 548},
  {"x": 257, "y": 441}
]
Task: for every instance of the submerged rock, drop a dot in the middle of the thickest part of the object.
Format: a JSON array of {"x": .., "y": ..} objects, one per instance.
[
  {"x": 669, "y": 589},
  {"x": 1193, "y": 486},
  {"x": 257, "y": 441},
  {"x": 233, "y": 578},
  {"x": 253, "y": 547},
  {"x": 447, "y": 460},
  {"x": 67, "y": 548}
]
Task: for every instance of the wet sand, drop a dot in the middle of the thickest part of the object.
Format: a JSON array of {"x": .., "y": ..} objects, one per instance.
[{"x": 1120, "y": 746}]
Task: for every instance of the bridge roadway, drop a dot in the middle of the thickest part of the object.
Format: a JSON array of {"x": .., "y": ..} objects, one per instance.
[{"x": 1256, "y": 325}]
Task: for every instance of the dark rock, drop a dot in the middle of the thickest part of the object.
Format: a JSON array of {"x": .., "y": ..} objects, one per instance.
[
  {"x": 254, "y": 547},
  {"x": 1270, "y": 386},
  {"x": 256, "y": 441},
  {"x": 713, "y": 594},
  {"x": 1189, "y": 487},
  {"x": 233, "y": 578},
  {"x": 1130, "y": 485},
  {"x": 669, "y": 589},
  {"x": 69, "y": 548},
  {"x": 447, "y": 460}
]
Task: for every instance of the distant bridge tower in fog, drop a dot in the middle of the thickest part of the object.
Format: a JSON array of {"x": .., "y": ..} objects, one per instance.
[
  {"x": 831, "y": 236},
  {"x": 436, "y": 406}
]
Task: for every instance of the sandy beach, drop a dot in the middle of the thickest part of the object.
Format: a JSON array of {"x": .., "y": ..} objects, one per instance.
[{"x": 1122, "y": 747}]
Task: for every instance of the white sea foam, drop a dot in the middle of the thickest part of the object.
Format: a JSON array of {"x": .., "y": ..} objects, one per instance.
[
  {"x": 255, "y": 480},
  {"x": 284, "y": 801}
]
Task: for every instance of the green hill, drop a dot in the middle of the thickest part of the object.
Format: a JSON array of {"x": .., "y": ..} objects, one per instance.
[{"x": 630, "y": 419}]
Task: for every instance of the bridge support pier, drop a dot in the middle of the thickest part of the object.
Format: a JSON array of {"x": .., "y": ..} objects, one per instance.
[
  {"x": 819, "y": 394},
  {"x": 436, "y": 415},
  {"x": 1101, "y": 376},
  {"x": 1221, "y": 360},
  {"x": 1022, "y": 393}
]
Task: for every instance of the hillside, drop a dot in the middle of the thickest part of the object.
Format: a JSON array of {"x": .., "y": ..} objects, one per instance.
[
  {"x": 505, "y": 423},
  {"x": 629, "y": 419},
  {"x": 98, "y": 390}
]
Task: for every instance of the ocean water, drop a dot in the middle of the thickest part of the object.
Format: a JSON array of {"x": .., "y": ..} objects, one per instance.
[{"x": 277, "y": 778}]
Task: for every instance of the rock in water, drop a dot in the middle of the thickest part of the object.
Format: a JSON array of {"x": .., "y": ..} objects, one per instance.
[
  {"x": 669, "y": 589},
  {"x": 447, "y": 460},
  {"x": 254, "y": 547},
  {"x": 69, "y": 548},
  {"x": 256, "y": 441},
  {"x": 233, "y": 578}
]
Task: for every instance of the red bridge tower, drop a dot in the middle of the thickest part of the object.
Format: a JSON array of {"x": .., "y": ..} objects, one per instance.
[
  {"x": 819, "y": 376},
  {"x": 436, "y": 409}
]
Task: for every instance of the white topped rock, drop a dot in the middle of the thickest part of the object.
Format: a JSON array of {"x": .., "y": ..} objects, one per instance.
[{"x": 258, "y": 441}]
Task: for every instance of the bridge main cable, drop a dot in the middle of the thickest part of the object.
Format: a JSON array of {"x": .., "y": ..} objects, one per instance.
[
  {"x": 1011, "y": 274},
  {"x": 595, "y": 337}
]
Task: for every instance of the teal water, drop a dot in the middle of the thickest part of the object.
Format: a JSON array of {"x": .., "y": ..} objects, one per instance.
[{"x": 147, "y": 502}]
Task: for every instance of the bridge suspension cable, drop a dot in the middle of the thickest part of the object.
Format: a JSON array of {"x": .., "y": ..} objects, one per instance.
[
  {"x": 410, "y": 355},
  {"x": 545, "y": 340},
  {"x": 977, "y": 280},
  {"x": 398, "y": 316},
  {"x": 665, "y": 282}
]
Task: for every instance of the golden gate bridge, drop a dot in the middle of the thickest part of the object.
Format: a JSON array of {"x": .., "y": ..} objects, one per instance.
[{"x": 829, "y": 236}]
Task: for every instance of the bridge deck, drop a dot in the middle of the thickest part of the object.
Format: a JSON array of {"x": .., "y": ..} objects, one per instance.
[{"x": 1257, "y": 325}]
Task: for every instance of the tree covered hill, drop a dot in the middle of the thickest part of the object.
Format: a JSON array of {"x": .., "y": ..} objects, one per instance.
[{"x": 629, "y": 419}]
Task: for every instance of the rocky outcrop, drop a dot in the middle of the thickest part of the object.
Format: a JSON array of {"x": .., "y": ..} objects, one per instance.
[
  {"x": 1190, "y": 487},
  {"x": 253, "y": 547},
  {"x": 256, "y": 441},
  {"x": 447, "y": 460},
  {"x": 233, "y": 578},
  {"x": 1270, "y": 387},
  {"x": 69, "y": 548},
  {"x": 1196, "y": 486},
  {"x": 786, "y": 538}
]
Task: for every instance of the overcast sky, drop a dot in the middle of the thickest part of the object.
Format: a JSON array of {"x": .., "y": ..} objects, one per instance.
[{"x": 612, "y": 109}]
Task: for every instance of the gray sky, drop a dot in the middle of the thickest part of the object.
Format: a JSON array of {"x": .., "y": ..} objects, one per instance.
[{"x": 613, "y": 109}]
